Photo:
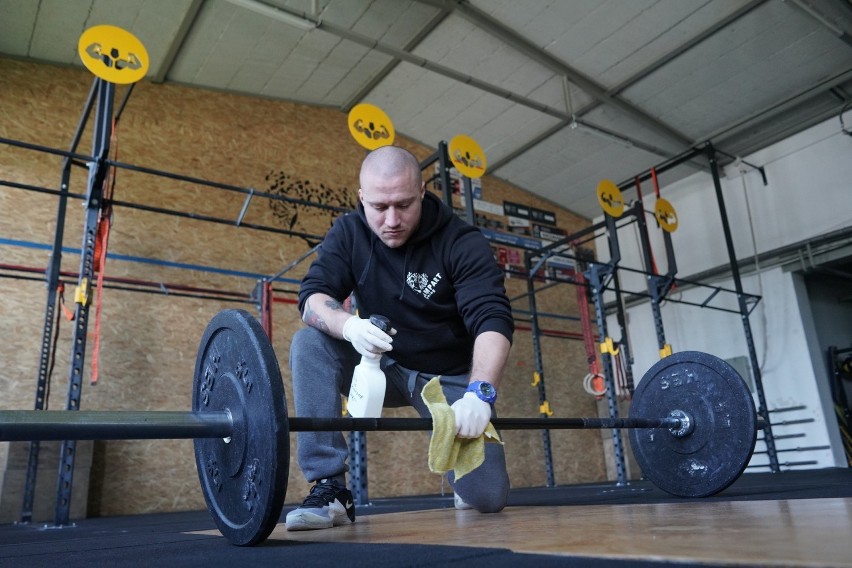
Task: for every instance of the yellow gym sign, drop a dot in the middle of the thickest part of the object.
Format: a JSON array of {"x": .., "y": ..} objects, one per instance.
[
  {"x": 610, "y": 198},
  {"x": 113, "y": 54},
  {"x": 467, "y": 156},
  {"x": 370, "y": 126},
  {"x": 666, "y": 215}
]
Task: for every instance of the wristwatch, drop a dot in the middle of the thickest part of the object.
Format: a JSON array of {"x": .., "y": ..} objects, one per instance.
[{"x": 484, "y": 390}]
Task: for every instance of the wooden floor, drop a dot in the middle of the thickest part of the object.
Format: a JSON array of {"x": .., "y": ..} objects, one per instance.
[
  {"x": 790, "y": 519},
  {"x": 800, "y": 532}
]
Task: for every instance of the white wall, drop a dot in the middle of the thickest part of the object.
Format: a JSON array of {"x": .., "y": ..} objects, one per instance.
[{"x": 809, "y": 193}]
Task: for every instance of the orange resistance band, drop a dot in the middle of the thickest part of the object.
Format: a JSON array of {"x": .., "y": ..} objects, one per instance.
[
  {"x": 100, "y": 255},
  {"x": 60, "y": 291},
  {"x": 585, "y": 320}
]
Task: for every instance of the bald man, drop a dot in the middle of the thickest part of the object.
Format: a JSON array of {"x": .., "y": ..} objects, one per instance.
[{"x": 403, "y": 254}]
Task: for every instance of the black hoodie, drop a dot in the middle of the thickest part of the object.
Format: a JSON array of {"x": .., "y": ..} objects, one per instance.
[{"x": 440, "y": 290}]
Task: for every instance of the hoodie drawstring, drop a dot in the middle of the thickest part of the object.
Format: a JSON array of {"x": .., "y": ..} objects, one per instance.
[
  {"x": 405, "y": 270},
  {"x": 369, "y": 260}
]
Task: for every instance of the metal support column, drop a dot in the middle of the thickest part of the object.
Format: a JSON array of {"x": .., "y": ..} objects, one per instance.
[
  {"x": 624, "y": 342},
  {"x": 598, "y": 276},
  {"x": 52, "y": 282},
  {"x": 97, "y": 175},
  {"x": 744, "y": 311},
  {"x": 358, "y": 467},
  {"x": 262, "y": 296},
  {"x": 535, "y": 332},
  {"x": 658, "y": 285},
  {"x": 469, "y": 214},
  {"x": 444, "y": 165}
]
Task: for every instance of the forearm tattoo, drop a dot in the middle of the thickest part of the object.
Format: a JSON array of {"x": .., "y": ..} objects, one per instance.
[{"x": 314, "y": 319}]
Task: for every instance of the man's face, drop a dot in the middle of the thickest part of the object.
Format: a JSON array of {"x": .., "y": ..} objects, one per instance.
[{"x": 392, "y": 206}]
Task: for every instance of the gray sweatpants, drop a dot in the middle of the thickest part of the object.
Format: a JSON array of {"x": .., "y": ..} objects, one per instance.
[{"x": 322, "y": 369}]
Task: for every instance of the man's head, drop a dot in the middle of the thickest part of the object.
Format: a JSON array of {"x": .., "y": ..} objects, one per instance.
[{"x": 392, "y": 191}]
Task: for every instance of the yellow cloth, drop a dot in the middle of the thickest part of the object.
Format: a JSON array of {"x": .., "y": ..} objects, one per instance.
[{"x": 446, "y": 451}]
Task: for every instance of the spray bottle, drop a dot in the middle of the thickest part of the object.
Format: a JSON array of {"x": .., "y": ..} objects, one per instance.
[{"x": 367, "y": 393}]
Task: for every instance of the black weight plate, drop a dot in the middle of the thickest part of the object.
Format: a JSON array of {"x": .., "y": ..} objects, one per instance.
[
  {"x": 244, "y": 478},
  {"x": 716, "y": 452}
]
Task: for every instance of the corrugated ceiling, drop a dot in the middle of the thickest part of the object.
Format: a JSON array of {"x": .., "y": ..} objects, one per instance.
[{"x": 559, "y": 94}]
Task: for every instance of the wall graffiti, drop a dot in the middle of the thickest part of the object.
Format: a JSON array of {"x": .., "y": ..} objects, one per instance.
[{"x": 304, "y": 218}]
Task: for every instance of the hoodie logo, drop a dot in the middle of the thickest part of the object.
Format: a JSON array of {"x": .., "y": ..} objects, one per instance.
[{"x": 421, "y": 284}]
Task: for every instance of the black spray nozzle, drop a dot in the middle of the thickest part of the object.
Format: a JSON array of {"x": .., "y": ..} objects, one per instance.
[{"x": 381, "y": 322}]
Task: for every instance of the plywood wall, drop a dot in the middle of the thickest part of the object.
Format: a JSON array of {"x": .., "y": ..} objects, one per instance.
[{"x": 148, "y": 341}]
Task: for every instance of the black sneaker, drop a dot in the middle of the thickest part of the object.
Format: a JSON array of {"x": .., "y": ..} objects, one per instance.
[{"x": 328, "y": 505}]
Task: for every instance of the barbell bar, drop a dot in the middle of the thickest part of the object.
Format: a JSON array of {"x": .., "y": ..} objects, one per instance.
[
  {"x": 692, "y": 426},
  {"x": 29, "y": 425}
]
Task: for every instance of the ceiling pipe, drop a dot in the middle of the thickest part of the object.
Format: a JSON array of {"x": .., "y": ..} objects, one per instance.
[{"x": 276, "y": 13}]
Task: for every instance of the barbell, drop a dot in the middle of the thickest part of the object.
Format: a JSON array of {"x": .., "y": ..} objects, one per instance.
[{"x": 692, "y": 424}]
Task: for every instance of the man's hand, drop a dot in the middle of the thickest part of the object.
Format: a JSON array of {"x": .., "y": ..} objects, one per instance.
[
  {"x": 366, "y": 338},
  {"x": 471, "y": 415}
]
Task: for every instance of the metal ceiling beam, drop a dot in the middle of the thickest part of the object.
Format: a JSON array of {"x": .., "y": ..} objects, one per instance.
[
  {"x": 615, "y": 137},
  {"x": 527, "y": 146},
  {"x": 186, "y": 24},
  {"x": 385, "y": 71},
  {"x": 504, "y": 33},
  {"x": 667, "y": 58},
  {"x": 440, "y": 69},
  {"x": 769, "y": 132},
  {"x": 823, "y": 19},
  {"x": 630, "y": 81},
  {"x": 728, "y": 133},
  {"x": 302, "y": 19},
  {"x": 677, "y": 52},
  {"x": 543, "y": 57},
  {"x": 293, "y": 16}
]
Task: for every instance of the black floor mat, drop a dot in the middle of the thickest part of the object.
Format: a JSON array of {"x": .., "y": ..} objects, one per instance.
[{"x": 163, "y": 539}]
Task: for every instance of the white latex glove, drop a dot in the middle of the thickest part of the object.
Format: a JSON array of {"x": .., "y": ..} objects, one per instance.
[
  {"x": 471, "y": 415},
  {"x": 367, "y": 339}
]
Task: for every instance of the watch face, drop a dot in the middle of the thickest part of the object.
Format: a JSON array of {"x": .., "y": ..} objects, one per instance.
[{"x": 484, "y": 390}]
